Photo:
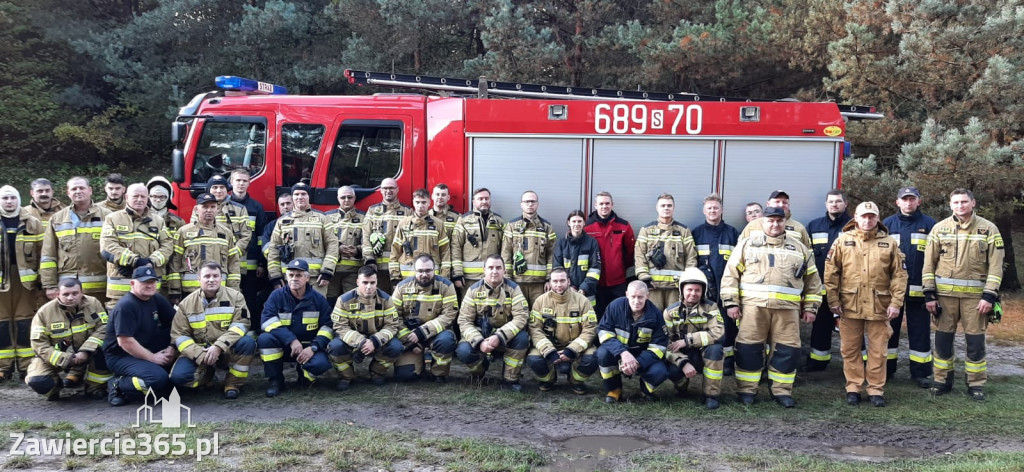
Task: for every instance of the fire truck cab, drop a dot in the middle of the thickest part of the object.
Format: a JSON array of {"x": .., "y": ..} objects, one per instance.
[{"x": 565, "y": 148}]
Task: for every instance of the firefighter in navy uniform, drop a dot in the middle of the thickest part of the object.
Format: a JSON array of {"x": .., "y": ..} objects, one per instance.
[
  {"x": 963, "y": 268},
  {"x": 664, "y": 248},
  {"x": 209, "y": 330},
  {"x": 20, "y": 293},
  {"x": 379, "y": 227},
  {"x": 428, "y": 306},
  {"x": 633, "y": 342},
  {"x": 528, "y": 248},
  {"x": 493, "y": 319},
  {"x": 419, "y": 233},
  {"x": 563, "y": 328},
  {"x": 366, "y": 324},
  {"x": 304, "y": 234},
  {"x": 296, "y": 325},
  {"x": 715, "y": 241},
  {"x": 579, "y": 254},
  {"x": 477, "y": 234},
  {"x": 911, "y": 227},
  {"x": 769, "y": 280},
  {"x": 346, "y": 222},
  {"x": 694, "y": 327},
  {"x": 67, "y": 333},
  {"x": 824, "y": 232}
]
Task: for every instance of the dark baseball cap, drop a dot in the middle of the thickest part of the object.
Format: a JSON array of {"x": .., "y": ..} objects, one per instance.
[
  {"x": 908, "y": 191},
  {"x": 300, "y": 186},
  {"x": 777, "y": 194},
  {"x": 144, "y": 274},
  {"x": 298, "y": 264},
  {"x": 217, "y": 180},
  {"x": 205, "y": 198},
  {"x": 774, "y": 211}
]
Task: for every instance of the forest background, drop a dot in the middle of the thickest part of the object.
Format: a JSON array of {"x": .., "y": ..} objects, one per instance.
[{"x": 89, "y": 87}]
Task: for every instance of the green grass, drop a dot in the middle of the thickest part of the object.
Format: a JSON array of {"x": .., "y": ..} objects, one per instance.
[{"x": 781, "y": 461}]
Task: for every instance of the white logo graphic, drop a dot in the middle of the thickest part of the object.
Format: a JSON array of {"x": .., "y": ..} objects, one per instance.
[{"x": 170, "y": 409}]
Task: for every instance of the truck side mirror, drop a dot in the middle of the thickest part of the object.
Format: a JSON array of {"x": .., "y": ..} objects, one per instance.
[
  {"x": 179, "y": 130},
  {"x": 178, "y": 166}
]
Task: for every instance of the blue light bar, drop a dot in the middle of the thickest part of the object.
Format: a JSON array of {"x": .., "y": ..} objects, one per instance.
[{"x": 241, "y": 84}]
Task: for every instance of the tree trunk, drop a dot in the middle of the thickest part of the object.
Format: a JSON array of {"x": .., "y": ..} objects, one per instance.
[{"x": 1011, "y": 281}]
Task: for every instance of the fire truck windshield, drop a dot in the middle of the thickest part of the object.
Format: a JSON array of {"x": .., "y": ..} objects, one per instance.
[{"x": 225, "y": 146}]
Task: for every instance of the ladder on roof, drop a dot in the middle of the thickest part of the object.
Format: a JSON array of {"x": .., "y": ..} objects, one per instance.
[{"x": 484, "y": 88}]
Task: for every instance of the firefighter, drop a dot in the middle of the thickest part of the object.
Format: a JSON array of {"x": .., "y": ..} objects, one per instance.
[
  {"x": 379, "y": 227},
  {"x": 296, "y": 318},
  {"x": 579, "y": 254},
  {"x": 441, "y": 211},
  {"x": 824, "y": 232},
  {"x": 347, "y": 224},
  {"x": 206, "y": 240},
  {"x": 427, "y": 307},
  {"x": 477, "y": 234},
  {"x": 633, "y": 342},
  {"x": 963, "y": 268},
  {"x": 664, "y": 248},
  {"x": 695, "y": 327},
  {"x": 255, "y": 276},
  {"x": 67, "y": 335},
  {"x": 305, "y": 234},
  {"x": 114, "y": 187},
  {"x": 752, "y": 211},
  {"x": 769, "y": 279},
  {"x": 209, "y": 330},
  {"x": 133, "y": 237},
  {"x": 419, "y": 233},
  {"x": 563, "y": 329},
  {"x": 365, "y": 324},
  {"x": 528, "y": 248},
  {"x": 778, "y": 198},
  {"x": 160, "y": 195},
  {"x": 715, "y": 240},
  {"x": 43, "y": 205},
  {"x": 138, "y": 347},
  {"x": 616, "y": 242},
  {"x": 492, "y": 320},
  {"x": 231, "y": 213},
  {"x": 19, "y": 282},
  {"x": 865, "y": 281},
  {"x": 71, "y": 245},
  {"x": 911, "y": 227}
]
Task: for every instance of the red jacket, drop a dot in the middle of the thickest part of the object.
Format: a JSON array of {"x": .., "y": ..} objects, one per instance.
[{"x": 615, "y": 237}]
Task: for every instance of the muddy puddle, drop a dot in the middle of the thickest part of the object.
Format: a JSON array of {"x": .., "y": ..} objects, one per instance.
[
  {"x": 586, "y": 453},
  {"x": 876, "y": 452}
]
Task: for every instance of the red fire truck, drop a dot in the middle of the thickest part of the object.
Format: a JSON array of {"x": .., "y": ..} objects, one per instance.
[{"x": 565, "y": 144}]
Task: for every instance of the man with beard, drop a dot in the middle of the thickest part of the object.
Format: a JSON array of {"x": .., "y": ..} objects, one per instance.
[{"x": 427, "y": 306}]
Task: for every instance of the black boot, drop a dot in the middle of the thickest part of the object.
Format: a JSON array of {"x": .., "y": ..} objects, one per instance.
[{"x": 114, "y": 395}]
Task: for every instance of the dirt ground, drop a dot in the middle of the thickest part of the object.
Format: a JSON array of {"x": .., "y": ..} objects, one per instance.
[{"x": 575, "y": 441}]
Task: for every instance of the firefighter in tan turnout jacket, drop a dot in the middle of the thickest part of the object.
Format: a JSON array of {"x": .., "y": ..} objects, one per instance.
[
  {"x": 19, "y": 282},
  {"x": 563, "y": 329},
  {"x": 427, "y": 306},
  {"x": 963, "y": 268},
  {"x": 379, "y": 228},
  {"x": 492, "y": 320},
  {"x": 477, "y": 234},
  {"x": 230, "y": 213},
  {"x": 419, "y": 233},
  {"x": 694, "y": 325},
  {"x": 346, "y": 222},
  {"x": 865, "y": 281},
  {"x": 769, "y": 279},
  {"x": 200, "y": 242},
  {"x": 71, "y": 245},
  {"x": 209, "y": 330},
  {"x": 663, "y": 249},
  {"x": 67, "y": 335},
  {"x": 528, "y": 248},
  {"x": 365, "y": 324},
  {"x": 304, "y": 234},
  {"x": 133, "y": 237}
]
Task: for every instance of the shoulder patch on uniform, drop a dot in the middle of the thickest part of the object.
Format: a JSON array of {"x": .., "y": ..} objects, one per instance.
[
  {"x": 677, "y": 233},
  {"x": 548, "y": 311},
  {"x": 480, "y": 294},
  {"x": 191, "y": 234},
  {"x": 849, "y": 243},
  {"x": 123, "y": 228},
  {"x": 922, "y": 230},
  {"x": 789, "y": 246},
  {"x": 314, "y": 219},
  {"x": 883, "y": 244},
  {"x": 400, "y": 212},
  {"x": 448, "y": 218},
  {"x": 982, "y": 230}
]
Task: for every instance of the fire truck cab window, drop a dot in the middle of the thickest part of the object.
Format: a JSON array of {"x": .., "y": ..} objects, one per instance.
[
  {"x": 300, "y": 144},
  {"x": 226, "y": 146},
  {"x": 366, "y": 153}
]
